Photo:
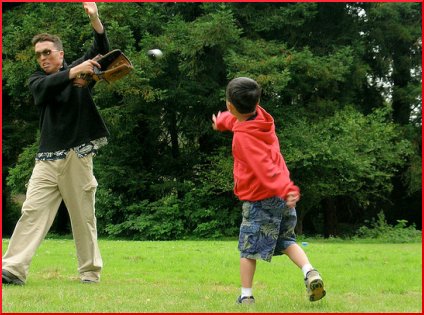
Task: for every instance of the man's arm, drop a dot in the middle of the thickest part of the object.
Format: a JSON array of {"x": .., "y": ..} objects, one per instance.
[
  {"x": 87, "y": 67},
  {"x": 100, "y": 45},
  {"x": 93, "y": 13},
  {"x": 101, "y": 42},
  {"x": 45, "y": 86}
]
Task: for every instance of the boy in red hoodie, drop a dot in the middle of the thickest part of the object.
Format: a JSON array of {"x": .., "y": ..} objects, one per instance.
[{"x": 262, "y": 182}]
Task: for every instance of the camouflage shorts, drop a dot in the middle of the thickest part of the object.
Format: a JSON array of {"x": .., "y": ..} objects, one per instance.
[{"x": 267, "y": 228}]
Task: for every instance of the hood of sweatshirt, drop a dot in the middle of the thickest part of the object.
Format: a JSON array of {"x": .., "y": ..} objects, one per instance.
[{"x": 262, "y": 127}]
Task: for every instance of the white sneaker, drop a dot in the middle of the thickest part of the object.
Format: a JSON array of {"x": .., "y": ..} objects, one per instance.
[{"x": 314, "y": 285}]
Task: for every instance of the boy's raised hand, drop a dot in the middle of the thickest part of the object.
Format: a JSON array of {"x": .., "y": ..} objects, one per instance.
[{"x": 214, "y": 118}]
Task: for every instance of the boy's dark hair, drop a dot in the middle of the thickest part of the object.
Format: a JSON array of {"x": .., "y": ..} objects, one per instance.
[
  {"x": 244, "y": 93},
  {"x": 44, "y": 37}
]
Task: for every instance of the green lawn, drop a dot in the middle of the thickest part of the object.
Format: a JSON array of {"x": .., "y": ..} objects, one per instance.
[{"x": 203, "y": 276}]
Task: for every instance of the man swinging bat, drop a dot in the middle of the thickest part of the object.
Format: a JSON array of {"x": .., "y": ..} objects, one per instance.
[{"x": 72, "y": 131}]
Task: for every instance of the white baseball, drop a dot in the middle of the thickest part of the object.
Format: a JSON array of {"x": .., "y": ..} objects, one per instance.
[{"x": 155, "y": 53}]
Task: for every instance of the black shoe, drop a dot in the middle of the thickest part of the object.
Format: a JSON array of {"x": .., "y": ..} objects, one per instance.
[
  {"x": 245, "y": 300},
  {"x": 89, "y": 281},
  {"x": 9, "y": 278}
]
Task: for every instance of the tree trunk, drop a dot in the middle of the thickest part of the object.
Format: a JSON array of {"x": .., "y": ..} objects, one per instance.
[
  {"x": 62, "y": 222},
  {"x": 299, "y": 225},
  {"x": 401, "y": 77},
  {"x": 174, "y": 134},
  {"x": 330, "y": 218}
]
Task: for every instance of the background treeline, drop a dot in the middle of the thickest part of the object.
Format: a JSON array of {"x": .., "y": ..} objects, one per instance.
[{"x": 342, "y": 80}]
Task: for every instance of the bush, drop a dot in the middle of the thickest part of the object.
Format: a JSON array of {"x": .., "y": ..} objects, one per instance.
[
  {"x": 380, "y": 230},
  {"x": 158, "y": 220},
  {"x": 20, "y": 174},
  {"x": 167, "y": 218},
  {"x": 10, "y": 214}
]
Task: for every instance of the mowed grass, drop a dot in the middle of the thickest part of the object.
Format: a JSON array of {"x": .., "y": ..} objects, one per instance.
[{"x": 203, "y": 276}]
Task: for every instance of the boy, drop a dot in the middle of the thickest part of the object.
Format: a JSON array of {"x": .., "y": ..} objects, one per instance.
[{"x": 262, "y": 182}]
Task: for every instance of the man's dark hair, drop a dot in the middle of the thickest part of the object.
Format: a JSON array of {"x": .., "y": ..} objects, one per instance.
[
  {"x": 44, "y": 37},
  {"x": 244, "y": 93}
]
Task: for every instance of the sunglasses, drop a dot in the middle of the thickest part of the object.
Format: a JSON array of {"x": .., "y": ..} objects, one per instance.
[{"x": 44, "y": 53}]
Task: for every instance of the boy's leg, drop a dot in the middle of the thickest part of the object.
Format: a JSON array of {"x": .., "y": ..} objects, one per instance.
[
  {"x": 38, "y": 212},
  {"x": 298, "y": 256},
  {"x": 247, "y": 271},
  {"x": 78, "y": 186},
  {"x": 313, "y": 281}
]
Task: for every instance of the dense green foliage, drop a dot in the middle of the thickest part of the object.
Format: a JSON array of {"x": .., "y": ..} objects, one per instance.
[
  {"x": 379, "y": 230},
  {"x": 343, "y": 82}
]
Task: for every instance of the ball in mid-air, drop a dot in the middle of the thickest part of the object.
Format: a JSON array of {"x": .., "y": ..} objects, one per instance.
[{"x": 155, "y": 53}]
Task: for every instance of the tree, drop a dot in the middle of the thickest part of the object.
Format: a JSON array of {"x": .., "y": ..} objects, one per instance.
[
  {"x": 348, "y": 155},
  {"x": 321, "y": 67}
]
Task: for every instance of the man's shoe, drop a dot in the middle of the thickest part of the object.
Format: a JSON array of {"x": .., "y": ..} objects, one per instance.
[
  {"x": 245, "y": 300},
  {"x": 9, "y": 278},
  {"x": 314, "y": 285},
  {"x": 89, "y": 281}
]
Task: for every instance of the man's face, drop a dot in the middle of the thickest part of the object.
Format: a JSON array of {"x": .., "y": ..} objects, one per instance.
[{"x": 48, "y": 56}]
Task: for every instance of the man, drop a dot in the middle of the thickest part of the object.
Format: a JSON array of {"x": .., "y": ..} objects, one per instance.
[{"x": 72, "y": 130}]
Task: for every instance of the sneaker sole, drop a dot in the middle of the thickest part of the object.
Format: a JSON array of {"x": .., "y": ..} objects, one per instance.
[
  {"x": 317, "y": 289},
  {"x": 9, "y": 281},
  {"x": 89, "y": 281},
  {"x": 246, "y": 301}
]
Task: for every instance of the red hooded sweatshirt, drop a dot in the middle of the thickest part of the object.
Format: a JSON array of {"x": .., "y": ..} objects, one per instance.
[{"x": 260, "y": 171}]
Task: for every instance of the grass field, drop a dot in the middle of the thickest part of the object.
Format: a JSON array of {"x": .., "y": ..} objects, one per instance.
[{"x": 203, "y": 276}]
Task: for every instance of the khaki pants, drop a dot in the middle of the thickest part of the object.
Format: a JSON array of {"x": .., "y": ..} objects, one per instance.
[{"x": 72, "y": 180}]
